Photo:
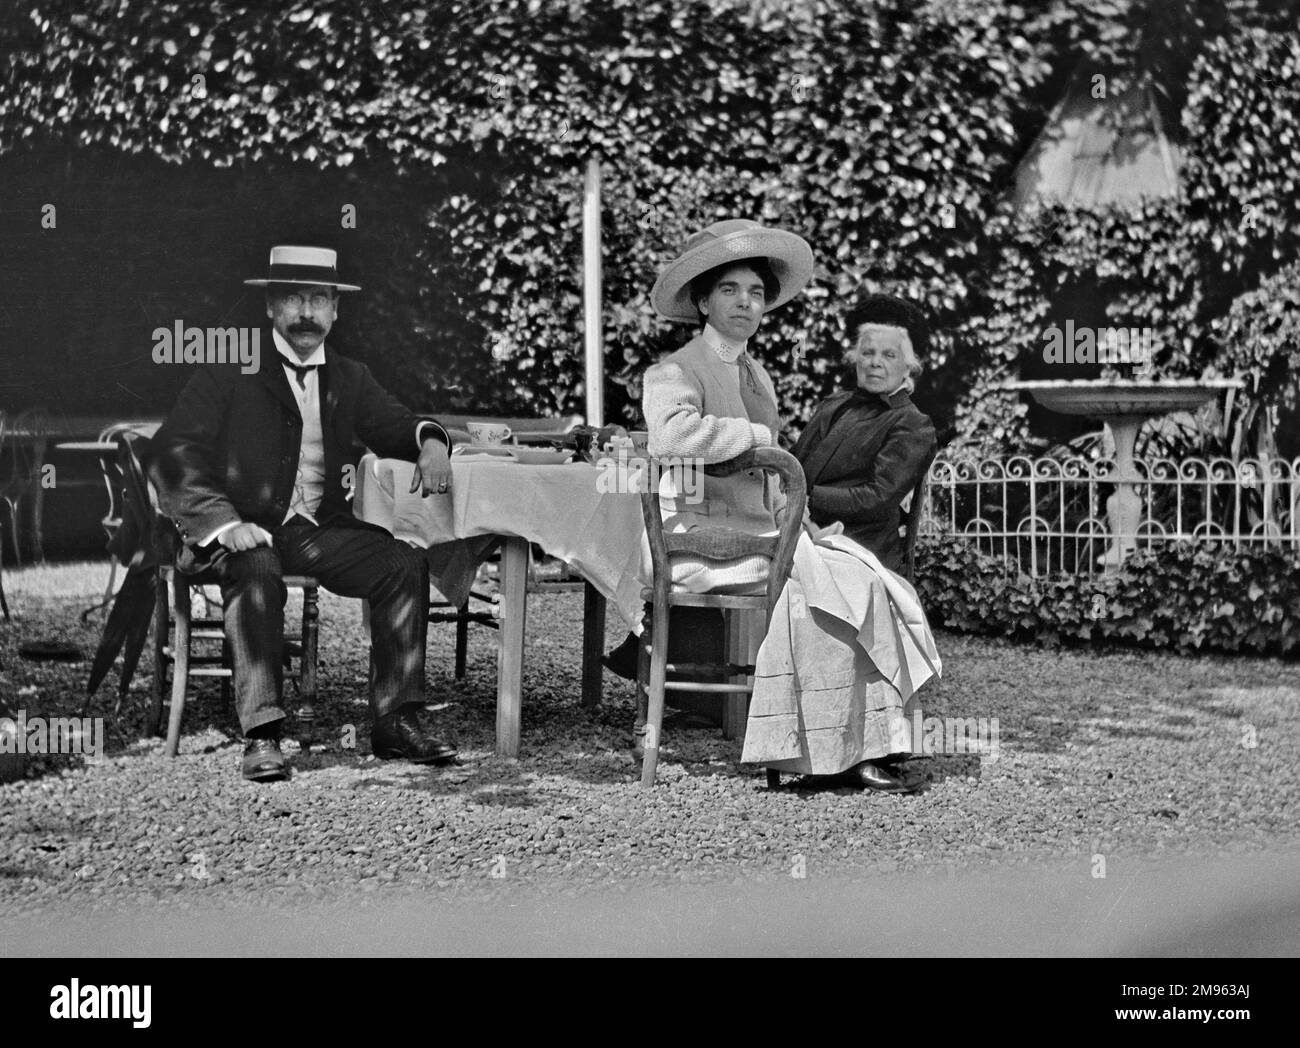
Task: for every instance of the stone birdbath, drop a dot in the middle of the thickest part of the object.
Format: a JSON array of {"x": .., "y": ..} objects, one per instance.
[{"x": 1123, "y": 405}]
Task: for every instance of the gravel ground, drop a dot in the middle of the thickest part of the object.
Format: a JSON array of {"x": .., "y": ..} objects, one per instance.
[{"x": 1103, "y": 758}]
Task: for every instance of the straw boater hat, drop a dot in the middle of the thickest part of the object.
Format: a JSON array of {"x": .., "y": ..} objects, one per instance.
[
  {"x": 292, "y": 264},
  {"x": 734, "y": 240}
]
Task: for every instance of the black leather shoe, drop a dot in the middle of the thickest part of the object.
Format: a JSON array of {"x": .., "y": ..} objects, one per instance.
[
  {"x": 398, "y": 736},
  {"x": 874, "y": 777},
  {"x": 622, "y": 660},
  {"x": 263, "y": 761}
]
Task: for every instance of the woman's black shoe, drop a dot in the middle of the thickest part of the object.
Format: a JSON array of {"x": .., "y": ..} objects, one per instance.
[{"x": 622, "y": 660}]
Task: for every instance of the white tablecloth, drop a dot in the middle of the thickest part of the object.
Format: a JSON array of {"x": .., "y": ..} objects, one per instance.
[{"x": 560, "y": 508}]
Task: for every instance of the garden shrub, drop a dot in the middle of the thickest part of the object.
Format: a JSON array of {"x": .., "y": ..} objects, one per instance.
[{"x": 1185, "y": 597}]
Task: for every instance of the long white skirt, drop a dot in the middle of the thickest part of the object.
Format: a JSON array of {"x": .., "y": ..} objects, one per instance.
[{"x": 837, "y": 674}]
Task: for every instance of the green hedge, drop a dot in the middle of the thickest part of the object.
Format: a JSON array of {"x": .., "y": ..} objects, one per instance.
[
  {"x": 1187, "y": 597},
  {"x": 887, "y": 133},
  {"x": 858, "y": 125}
]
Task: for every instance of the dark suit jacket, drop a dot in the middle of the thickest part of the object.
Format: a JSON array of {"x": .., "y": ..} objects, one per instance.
[
  {"x": 861, "y": 454},
  {"x": 229, "y": 449}
]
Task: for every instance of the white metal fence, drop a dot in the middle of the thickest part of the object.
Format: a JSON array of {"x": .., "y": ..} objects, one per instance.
[{"x": 1045, "y": 515}]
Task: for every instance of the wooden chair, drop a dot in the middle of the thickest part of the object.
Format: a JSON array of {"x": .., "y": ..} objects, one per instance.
[
  {"x": 441, "y": 611},
  {"x": 27, "y": 434},
  {"x": 566, "y": 580},
  {"x": 176, "y": 631},
  {"x": 111, "y": 470},
  {"x": 912, "y": 523},
  {"x": 4, "y": 604},
  {"x": 716, "y": 544},
  {"x": 177, "y": 634},
  {"x": 563, "y": 581}
]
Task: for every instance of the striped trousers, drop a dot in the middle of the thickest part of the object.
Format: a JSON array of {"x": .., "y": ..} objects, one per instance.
[{"x": 352, "y": 561}]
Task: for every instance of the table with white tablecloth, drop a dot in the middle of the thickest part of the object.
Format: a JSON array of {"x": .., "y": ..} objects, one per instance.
[{"x": 565, "y": 509}]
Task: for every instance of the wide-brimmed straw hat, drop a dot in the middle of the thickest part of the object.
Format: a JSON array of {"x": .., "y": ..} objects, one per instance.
[
  {"x": 734, "y": 240},
  {"x": 294, "y": 264}
]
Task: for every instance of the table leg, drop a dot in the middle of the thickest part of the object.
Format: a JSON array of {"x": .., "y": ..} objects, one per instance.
[
  {"x": 510, "y": 656},
  {"x": 593, "y": 644}
]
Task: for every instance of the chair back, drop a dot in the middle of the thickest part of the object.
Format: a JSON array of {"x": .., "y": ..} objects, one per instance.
[
  {"x": 724, "y": 544},
  {"x": 145, "y": 537},
  {"x": 26, "y": 433},
  {"x": 111, "y": 469},
  {"x": 912, "y": 526},
  {"x": 140, "y": 427}
]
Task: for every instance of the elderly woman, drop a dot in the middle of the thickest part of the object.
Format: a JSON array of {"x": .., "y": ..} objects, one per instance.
[
  {"x": 865, "y": 449},
  {"x": 848, "y": 645}
]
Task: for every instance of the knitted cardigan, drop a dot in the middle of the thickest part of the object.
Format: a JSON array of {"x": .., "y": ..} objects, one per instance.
[{"x": 694, "y": 412}]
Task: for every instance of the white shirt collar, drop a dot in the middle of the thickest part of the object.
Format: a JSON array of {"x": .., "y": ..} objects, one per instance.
[
  {"x": 286, "y": 350},
  {"x": 727, "y": 350}
]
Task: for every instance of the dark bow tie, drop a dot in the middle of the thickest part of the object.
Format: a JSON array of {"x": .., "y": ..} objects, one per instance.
[{"x": 300, "y": 370}]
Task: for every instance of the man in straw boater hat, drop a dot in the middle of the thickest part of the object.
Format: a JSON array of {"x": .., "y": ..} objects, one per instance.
[
  {"x": 255, "y": 471},
  {"x": 711, "y": 400}
]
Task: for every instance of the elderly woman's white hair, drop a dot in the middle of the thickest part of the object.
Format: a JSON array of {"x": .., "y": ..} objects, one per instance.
[{"x": 876, "y": 332}]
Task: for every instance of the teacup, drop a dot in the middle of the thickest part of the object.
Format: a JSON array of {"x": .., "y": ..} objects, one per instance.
[
  {"x": 488, "y": 433},
  {"x": 640, "y": 442}
]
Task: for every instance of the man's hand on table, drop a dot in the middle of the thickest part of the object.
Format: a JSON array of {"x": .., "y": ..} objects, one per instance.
[
  {"x": 432, "y": 474},
  {"x": 244, "y": 536}
]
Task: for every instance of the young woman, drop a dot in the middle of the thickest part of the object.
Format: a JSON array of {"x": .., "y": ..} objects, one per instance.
[
  {"x": 712, "y": 399},
  {"x": 708, "y": 402}
]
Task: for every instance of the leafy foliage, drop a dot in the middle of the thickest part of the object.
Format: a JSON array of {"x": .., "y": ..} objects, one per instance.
[
  {"x": 885, "y": 133},
  {"x": 1187, "y": 597},
  {"x": 1177, "y": 266}
]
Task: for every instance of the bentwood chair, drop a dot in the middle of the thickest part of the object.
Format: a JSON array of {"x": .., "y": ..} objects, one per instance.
[
  {"x": 111, "y": 470},
  {"x": 718, "y": 544},
  {"x": 195, "y": 647},
  {"x": 26, "y": 436},
  {"x": 4, "y": 604},
  {"x": 912, "y": 523},
  {"x": 441, "y": 611}
]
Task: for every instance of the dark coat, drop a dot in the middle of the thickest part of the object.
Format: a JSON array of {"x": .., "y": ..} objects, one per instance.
[
  {"x": 861, "y": 454},
  {"x": 229, "y": 449}
]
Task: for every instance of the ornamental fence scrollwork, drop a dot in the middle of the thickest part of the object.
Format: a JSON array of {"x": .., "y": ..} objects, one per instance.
[{"x": 1047, "y": 515}]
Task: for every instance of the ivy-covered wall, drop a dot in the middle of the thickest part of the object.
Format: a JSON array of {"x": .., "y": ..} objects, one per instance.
[{"x": 885, "y": 133}]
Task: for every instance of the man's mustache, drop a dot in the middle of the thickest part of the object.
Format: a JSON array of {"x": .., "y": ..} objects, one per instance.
[{"x": 304, "y": 327}]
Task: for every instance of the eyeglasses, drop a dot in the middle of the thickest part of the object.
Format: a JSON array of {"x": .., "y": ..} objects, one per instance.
[{"x": 318, "y": 299}]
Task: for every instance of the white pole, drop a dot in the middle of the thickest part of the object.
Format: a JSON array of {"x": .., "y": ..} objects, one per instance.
[{"x": 595, "y": 354}]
